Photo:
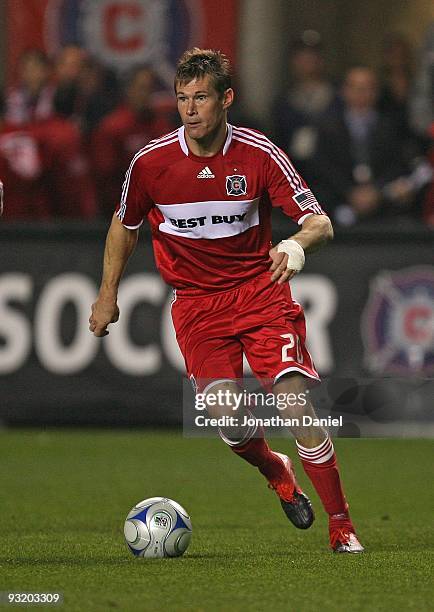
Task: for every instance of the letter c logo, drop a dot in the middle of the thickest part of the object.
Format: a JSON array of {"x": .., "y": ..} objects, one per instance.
[{"x": 120, "y": 21}]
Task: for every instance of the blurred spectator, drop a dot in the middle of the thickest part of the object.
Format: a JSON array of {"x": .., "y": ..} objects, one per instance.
[
  {"x": 68, "y": 65},
  {"x": 21, "y": 171},
  {"x": 67, "y": 175},
  {"x": 31, "y": 99},
  {"x": 428, "y": 210},
  {"x": 44, "y": 172},
  {"x": 361, "y": 168},
  {"x": 123, "y": 132},
  {"x": 237, "y": 114},
  {"x": 394, "y": 101},
  {"x": 422, "y": 98},
  {"x": 90, "y": 89},
  {"x": 96, "y": 94},
  {"x": 298, "y": 111},
  {"x": 396, "y": 80}
]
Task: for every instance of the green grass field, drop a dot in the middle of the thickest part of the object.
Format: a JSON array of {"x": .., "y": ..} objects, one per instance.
[{"x": 65, "y": 494}]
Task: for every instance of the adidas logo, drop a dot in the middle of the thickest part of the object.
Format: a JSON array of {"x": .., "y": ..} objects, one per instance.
[{"x": 206, "y": 173}]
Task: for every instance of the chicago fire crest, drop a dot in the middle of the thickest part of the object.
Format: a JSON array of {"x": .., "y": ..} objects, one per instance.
[
  {"x": 236, "y": 185},
  {"x": 398, "y": 322}
]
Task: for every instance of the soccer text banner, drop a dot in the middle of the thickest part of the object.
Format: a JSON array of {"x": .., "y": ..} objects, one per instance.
[{"x": 370, "y": 335}]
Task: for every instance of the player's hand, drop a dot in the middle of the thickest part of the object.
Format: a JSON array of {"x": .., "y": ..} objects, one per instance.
[
  {"x": 104, "y": 312},
  {"x": 280, "y": 272}
]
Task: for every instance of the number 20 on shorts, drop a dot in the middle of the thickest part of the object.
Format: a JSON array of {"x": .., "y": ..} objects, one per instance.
[{"x": 294, "y": 341}]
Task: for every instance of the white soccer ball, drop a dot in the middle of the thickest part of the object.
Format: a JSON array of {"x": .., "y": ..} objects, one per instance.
[{"x": 157, "y": 527}]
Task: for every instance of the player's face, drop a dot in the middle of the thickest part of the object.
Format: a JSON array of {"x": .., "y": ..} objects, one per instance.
[{"x": 202, "y": 110}]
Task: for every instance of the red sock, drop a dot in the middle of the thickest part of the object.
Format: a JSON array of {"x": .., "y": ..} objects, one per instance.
[
  {"x": 257, "y": 452},
  {"x": 320, "y": 465}
]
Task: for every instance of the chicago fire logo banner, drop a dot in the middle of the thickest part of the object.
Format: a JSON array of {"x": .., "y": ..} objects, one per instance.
[{"x": 121, "y": 33}]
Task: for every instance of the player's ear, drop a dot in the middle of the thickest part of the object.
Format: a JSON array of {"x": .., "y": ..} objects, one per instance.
[{"x": 228, "y": 98}]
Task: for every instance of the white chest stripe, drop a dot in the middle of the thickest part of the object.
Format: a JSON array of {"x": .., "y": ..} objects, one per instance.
[{"x": 218, "y": 219}]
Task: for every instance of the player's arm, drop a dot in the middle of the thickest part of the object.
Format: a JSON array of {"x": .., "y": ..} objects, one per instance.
[
  {"x": 120, "y": 243},
  {"x": 289, "y": 255}
]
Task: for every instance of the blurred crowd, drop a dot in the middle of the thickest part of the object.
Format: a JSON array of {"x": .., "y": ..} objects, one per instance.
[
  {"x": 364, "y": 144},
  {"x": 68, "y": 131},
  {"x": 69, "y": 128}
]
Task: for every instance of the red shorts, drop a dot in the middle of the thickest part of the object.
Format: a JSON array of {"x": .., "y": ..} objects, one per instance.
[{"x": 258, "y": 319}]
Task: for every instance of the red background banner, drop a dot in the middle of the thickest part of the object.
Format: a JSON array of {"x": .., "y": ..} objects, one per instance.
[{"x": 108, "y": 28}]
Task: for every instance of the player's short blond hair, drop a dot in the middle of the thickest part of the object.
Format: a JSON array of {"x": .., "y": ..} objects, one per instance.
[{"x": 197, "y": 63}]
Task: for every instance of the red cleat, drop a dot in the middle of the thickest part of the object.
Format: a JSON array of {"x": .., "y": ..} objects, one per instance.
[{"x": 295, "y": 503}]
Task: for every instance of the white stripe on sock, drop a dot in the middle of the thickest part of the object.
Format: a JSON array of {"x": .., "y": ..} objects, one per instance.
[
  {"x": 318, "y": 454},
  {"x": 314, "y": 453}
]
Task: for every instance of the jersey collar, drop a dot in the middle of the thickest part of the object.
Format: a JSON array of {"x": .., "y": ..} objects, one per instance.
[{"x": 183, "y": 143}]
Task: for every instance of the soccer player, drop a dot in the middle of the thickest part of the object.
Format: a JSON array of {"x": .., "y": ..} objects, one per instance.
[{"x": 207, "y": 190}]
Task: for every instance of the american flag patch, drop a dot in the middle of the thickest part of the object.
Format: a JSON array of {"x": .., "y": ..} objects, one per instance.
[{"x": 307, "y": 201}]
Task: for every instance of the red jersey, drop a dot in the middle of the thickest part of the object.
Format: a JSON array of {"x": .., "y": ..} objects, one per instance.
[
  {"x": 210, "y": 217},
  {"x": 21, "y": 171},
  {"x": 44, "y": 172},
  {"x": 66, "y": 170}
]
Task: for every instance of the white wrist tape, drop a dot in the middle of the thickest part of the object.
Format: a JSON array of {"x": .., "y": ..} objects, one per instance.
[{"x": 295, "y": 254}]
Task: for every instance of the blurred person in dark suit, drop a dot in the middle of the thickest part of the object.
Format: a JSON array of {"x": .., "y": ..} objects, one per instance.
[
  {"x": 135, "y": 122},
  {"x": 428, "y": 208},
  {"x": 297, "y": 111},
  {"x": 32, "y": 98},
  {"x": 422, "y": 95},
  {"x": 396, "y": 80},
  {"x": 361, "y": 167}
]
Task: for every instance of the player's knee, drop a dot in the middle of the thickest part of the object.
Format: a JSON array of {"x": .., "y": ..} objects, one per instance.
[
  {"x": 292, "y": 382},
  {"x": 310, "y": 437},
  {"x": 292, "y": 396},
  {"x": 223, "y": 398}
]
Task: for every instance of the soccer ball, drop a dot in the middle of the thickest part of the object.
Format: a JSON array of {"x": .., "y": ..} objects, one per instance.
[{"x": 157, "y": 527}]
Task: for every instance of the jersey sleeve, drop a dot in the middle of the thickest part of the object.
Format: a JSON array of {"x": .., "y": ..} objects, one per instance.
[
  {"x": 135, "y": 200},
  {"x": 287, "y": 189}
]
